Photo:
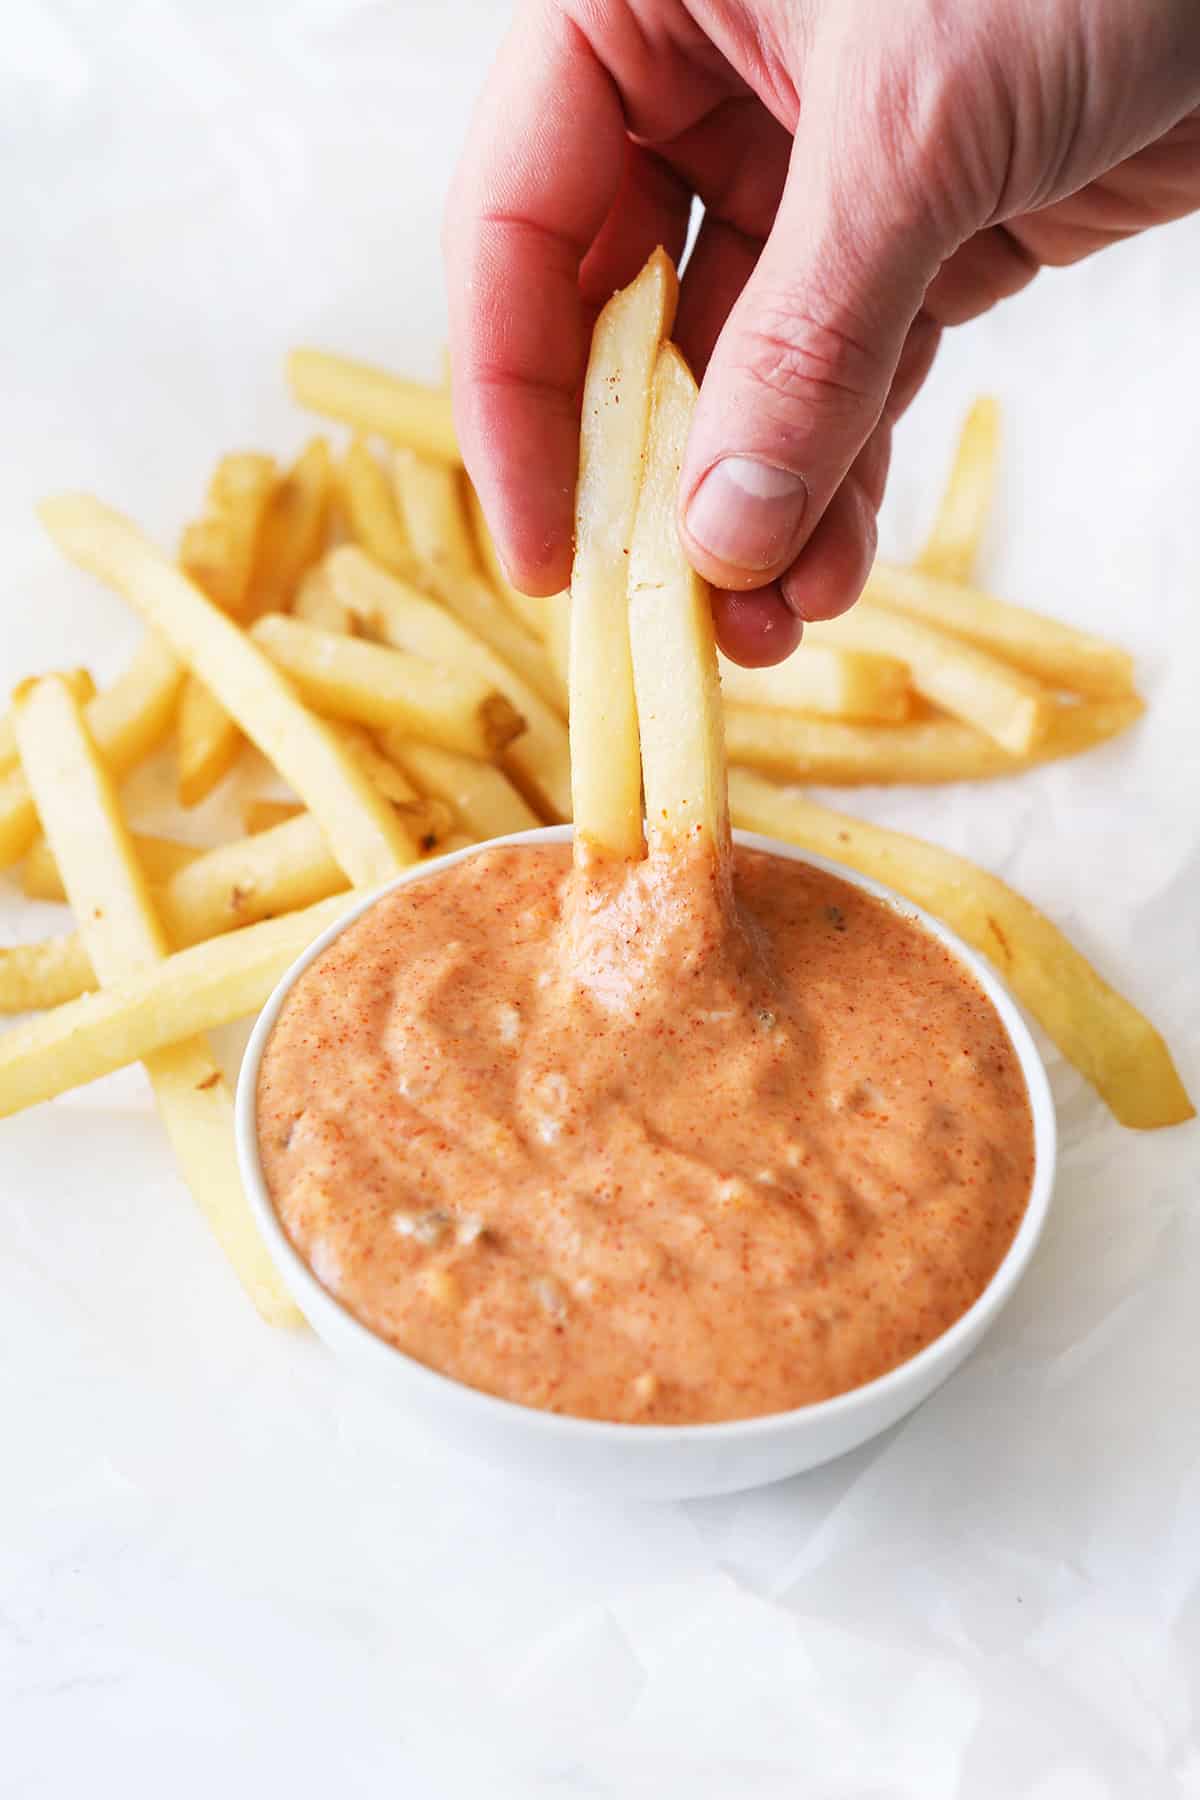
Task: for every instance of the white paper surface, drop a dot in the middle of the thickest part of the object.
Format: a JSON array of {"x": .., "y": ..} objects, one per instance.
[{"x": 223, "y": 1568}]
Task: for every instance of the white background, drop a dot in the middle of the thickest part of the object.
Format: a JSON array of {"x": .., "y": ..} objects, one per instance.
[{"x": 225, "y": 1569}]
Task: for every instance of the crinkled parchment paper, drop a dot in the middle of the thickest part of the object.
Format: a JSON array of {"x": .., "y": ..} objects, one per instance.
[{"x": 224, "y": 1567}]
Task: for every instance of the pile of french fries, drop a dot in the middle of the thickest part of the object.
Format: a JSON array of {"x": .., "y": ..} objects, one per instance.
[{"x": 349, "y": 618}]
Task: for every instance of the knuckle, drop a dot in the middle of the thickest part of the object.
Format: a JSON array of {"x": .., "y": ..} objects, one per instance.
[{"x": 802, "y": 358}]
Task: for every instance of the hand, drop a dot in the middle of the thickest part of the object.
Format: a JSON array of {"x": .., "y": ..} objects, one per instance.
[{"x": 871, "y": 171}]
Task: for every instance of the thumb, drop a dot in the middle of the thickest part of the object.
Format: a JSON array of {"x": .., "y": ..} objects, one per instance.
[{"x": 802, "y": 370}]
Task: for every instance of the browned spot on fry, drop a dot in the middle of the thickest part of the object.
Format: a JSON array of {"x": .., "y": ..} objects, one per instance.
[
  {"x": 1000, "y": 938},
  {"x": 209, "y": 1081}
]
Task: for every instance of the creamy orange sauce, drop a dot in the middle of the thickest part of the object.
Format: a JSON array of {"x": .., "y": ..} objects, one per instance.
[{"x": 587, "y": 1145}]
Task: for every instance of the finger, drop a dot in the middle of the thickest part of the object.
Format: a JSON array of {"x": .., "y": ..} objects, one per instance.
[
  {"x": 988, "y": 267},
  {"x": 721, "y": 263},
  {"x": 537, "y": 180},
  {"x": 756, "y": 629},
  {"x": 802, "y": 371},
  {"x": 916, "y": 360},
  {"x": 652, "y": 207},
  {"x": 831, "y": 571}
]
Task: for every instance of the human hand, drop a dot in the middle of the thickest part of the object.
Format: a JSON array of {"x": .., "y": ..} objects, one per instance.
[{"x": 871, "y": 173}]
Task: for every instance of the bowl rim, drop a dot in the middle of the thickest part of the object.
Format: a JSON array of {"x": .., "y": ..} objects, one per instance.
[{"x": 950, "y": 1347}]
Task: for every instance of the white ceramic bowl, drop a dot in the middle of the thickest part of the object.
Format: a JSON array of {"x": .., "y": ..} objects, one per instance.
[{"x": 651, "y": 1461}]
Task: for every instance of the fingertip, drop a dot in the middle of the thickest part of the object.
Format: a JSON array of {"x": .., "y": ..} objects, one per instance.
[
  {"x": 831, "y": 571},
  {"x": 755, "y": 629}
]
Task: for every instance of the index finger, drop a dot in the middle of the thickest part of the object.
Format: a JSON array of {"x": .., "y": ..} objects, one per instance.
[{"x": 541, "y": 166}]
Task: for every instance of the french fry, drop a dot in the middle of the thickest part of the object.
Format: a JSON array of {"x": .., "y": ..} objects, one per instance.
[
  {"x": 539, "y": 760},
  {"x": 606, "y": 775},
  {"x": 47, "y": 973},
  {"x": 159, "y": 857},
  {"x": 558, "y": 637},
  {"x": 836, "y": 684},
  {"x": 431, "y": 501},
  {"x": 290, "y": 535},
  {"x": 1010, "y": 707},
  {"x": 123, "y": 937},
  {"x": 217, "y": 551},
  {"x": 371, "y": 400},
  {"x": 364, "y": 833},
  {"x": 293, "y": 530},
  {"x": 672, "y": 643},
  {"x": 262, "y": 814},
  {"x": 428, "y": 818},
  {"x": 317, "y": 604},
  {"x": 346, "y": 678},
  {"x": 371, "y": 512},
  {"x": 952, "y": 546},
  {"x": 208, "y": 743},
  {"x": 239, "y": 493},
  {"x": 127, "y": 721},
  {"x": 480, "y": 795},
  {"x": 1097, "y": 1030},
  {"x": 194, "y": 990},
  {"x": 1053, "y": 652},
  {"x": 80, "y": 683},
  {"x": 254, "y": 878},
  {"x": 923, "y": 750},
  {"x": 528, "y": 609}
]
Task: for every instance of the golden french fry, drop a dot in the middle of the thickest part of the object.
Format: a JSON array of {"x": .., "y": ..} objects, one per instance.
[
  {"x": 430, "y": 502},
  {"x": 1097, "y": 1030},
  {"x": 262, "y": 814},
  {"x": 289, "y": 535},
  {"x": 208, "y": 743},
  {"x": 558, "y": 637},
  {"x": 430, "y": 498},
  {"x": 364, "y": 833},
  {"x": 952, "y": 546},
  {"x": 317, "y": 604},
  {"x": 836, "y": 684},
  {"x": 673, "y": 645},
  {"x": 217, "y": 551},
  {"x": 481, "y": 796},
  {"x": 126, "y": 722},
  {"x": 80, "y": 683},
  {"x": 47, "y": 973},
  {"x": 1011, "y": 708},
  {"x": 373, "y": 518},
  {"x": 347, "y": 678},
  {"x": 1053, "y": 652},
  {"x": 259, "y": 877},
  {"x": 923, "y": 750},
  {"x": 371, "y": 400},
  {"x": 194, "y": 990},
  {"x": 292, "y": 534},
  {"x": 606, "y": 776},
  {"x": 539, "y": 761},
  {"x": 123, "y": 938},
  {"x": 160, "y": 858},
  {"x": 428, "y": 818}
]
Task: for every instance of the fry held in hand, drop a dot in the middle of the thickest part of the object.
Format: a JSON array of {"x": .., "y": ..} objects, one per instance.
[
  {"x": 606, "y": 774},
  {"x": 673, "y": 647}
]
